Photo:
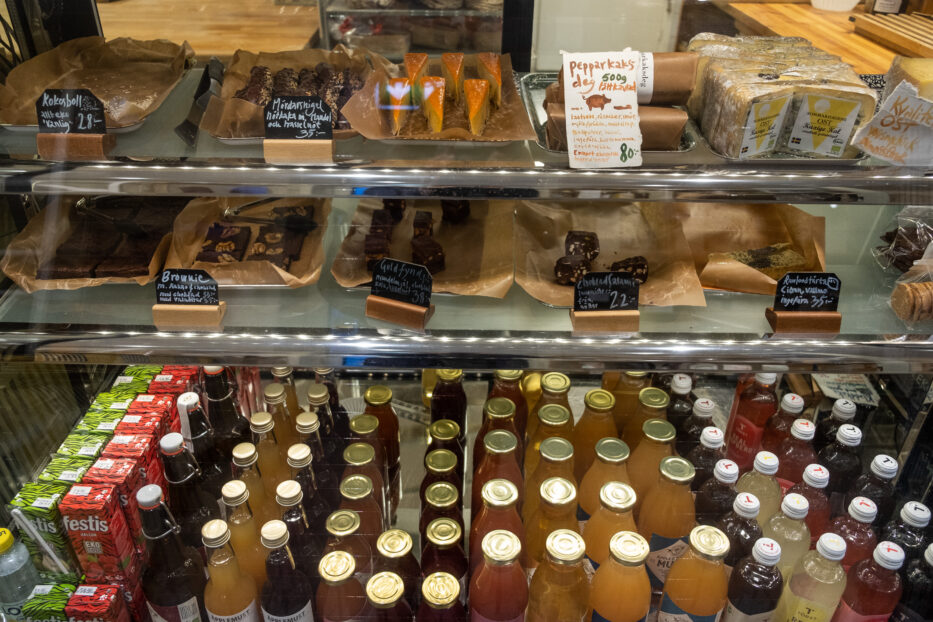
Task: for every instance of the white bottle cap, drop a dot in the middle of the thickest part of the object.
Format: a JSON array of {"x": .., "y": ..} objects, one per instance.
[
  {"x": 171, "y": 443},
  {"x": 792, "y": 403},
  {"x": 704, "y": 407},
  {"x": 765, "y": 378},
  {"x": 803, "y": 429},
  {"x": 746, "y": 505},
  {"x": 831, "y": 546},
  {"x": 884, "y": 466},
  {"x": 766, "y": 463},
  {"x": 928, "y": 554},
  {"x": 681, "y": 384},
  {"x": 711, "y": 437},
  {"x": 149, "y": 496},
  {"x": 816, "y": 475},
  {"x": 915, "y": 514},
  {"x": 863, "y": 509},
  {"x": 213, "y": 369},
  {"x": 888, "y": 555},
  {"x": 767, "y": 551},
  {"x": 844, "y": 410},
  {"x": 187, "y": 401},
  {"x": 795, "y": 506},
  {"x": 726, "y": 471},
  {"x": 849, "y": 435}
]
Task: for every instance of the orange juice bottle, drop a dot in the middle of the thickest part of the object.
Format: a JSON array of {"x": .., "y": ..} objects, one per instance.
[
  {"x": 667, "y": 516},
  {"x": 272, "y": 457},
  {"x": 622, "y": 574},
  {"x": 554, "y": 389},
  {"x": 553, "y": 420},
  {"x": 595, "y": 423},
  {"x": 643, "y": 465},
  {"x": 244, "y": 531},
  {"x": 556, "y": 461},
  {"x": 230, "y": 592},
  {"x": 560, "y": 589},
  {"x": 652, "y": 404},
  {"x": 697, "y": 585},
  {"x": 609, "y": 466},
  {"x": 498, "y": 414},
  {"x": 558, "y": 510},
  {"x": 276, "y": 396},
  {"x": 625, "y": 389},
  {"x": 614, "y": 515},
  {"x": 245, "y": 461},
  {"x": 531, "y": 388}
]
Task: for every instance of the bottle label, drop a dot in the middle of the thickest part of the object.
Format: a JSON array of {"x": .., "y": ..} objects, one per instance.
[
  {"x": 785, "y": 484},
  {"x": 475, "y": 617},
  {"x": 664, "y": 552},
  {"x": 887, "y": 6},
  {"x": 803, "y": 610},
  {"x": 845, "y": 613},
  {"x": 670, "y": 612},
  {"x": 249, "y": 614},
  {"x": 744, "y": 442},
  {"x": 303, "y": 615},
  {"x": 187, "y": 611},
  {"x": 733, "y": 614},
  {"x": 599, "y": 618},
  {"x": 903, "y": 613},
  {"x": 582, "y": 516}
]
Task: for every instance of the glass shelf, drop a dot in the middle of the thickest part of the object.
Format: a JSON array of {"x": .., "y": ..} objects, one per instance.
[{"x": 406, "y": 9}]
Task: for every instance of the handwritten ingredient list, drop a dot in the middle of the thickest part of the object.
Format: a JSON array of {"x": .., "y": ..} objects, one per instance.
[
  {"x": 807, "y": 291},
  {"x": 402, "y": 281}
]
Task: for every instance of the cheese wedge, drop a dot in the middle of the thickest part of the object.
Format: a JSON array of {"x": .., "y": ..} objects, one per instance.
[
  {"x": 489, "y": 68},
  {"x": 476, "y": 93},
  {"x": 396, "y": 99},
  {"x": 432, "y": 101},
  {"x": 917, "y": 71},
  {"x": 452, "y": 66},
  {"x": 416, "y": 65}
]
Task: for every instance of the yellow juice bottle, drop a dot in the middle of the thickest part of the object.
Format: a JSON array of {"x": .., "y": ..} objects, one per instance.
[
  {"x": 621, "y": 591},
  {"x": 558, "y": 510},
  {"x": 610, "y": 465},
  {"x": 244, "y": 531},
  {"x": 697, "y": 586},
  {"x": 667, "y": 516},
  {"x": 553, "y": 420},
  {"x": 554, "y": 387},
  {"x": 595, "y": 423},
  {"x": 556, "y": 461},
  {"x": 230, "y": 592},
  {"x": 643, "y": 465},
  {"x": 560, "y": 589},
  {"x": 614, "y": 515},
  {"x": 652, "y": 404}
]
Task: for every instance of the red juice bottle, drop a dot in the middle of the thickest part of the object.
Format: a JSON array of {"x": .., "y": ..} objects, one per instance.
[
  {"x": 827, "y": 426},
  {"x": 445, "y": 434},
  {"x": 855, "y": 528},
  {"x": 755, "y": 406},
  {"x": 778, "y": 427},
  {"x": 716, "y": 496},
  {"x": 386, "y": 602},
  {"x": 500, "y": 497},
  {"x": 440, "y": 465},
  {"x": 443, "y": 552},
  {"x": 877, "y": 485},
  {"x": 448, "y": 401},
  {"x": 795, "y": 453},
  {"x": 741, "y": 527},
  {"x": 499, "y": 588},
  {"x": 688, "y": 434},
  {"x": 909, "y": 531},
  {"x": 507, "y": 383},
  {"x": 441, "y": 599},
  {"x": 499, "y": 461},
  {"x": 705, "y": 456},
  {"x": 873, "y": 587},
  {"x": 379, "y": 404},
  {"x": 680, "y": 407},
  {"x": 844, "y": 462},
  {"x": 395, "y": 554},
  {"x": 917, "y": 601},
  {"x": 498, "y": 414},
  {"x": 755, "y": 585},
  {"x": 815, "y": 478}
]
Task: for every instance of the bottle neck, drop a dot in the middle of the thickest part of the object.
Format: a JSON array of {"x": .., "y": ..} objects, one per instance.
[
  {"x": 240, "y": 514},
  {"x": 202, "y": 434},
  {"x": 265, "y": 437},
  {"x": 222, "y": 564},
  {"x": 553, "y": 511},
  {"x": 217, "y": 387},
  {"x": 180, "y": 468},
  {"x": 163, "y": 540}
]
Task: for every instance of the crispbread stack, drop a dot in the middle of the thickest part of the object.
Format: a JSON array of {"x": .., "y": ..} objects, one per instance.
[{"x": 913, "y": 302}]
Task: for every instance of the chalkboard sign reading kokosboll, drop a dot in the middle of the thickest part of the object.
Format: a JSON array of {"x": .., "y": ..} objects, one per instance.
[
  {"x": 402, "y": 281},
  {"x": 606, "y": 291},
  {"x": 70, "y": 111},
  {"x": 298, "y": 117},
  {"x": 181, "y": 286},
  {"x": 807, "y": 291}
]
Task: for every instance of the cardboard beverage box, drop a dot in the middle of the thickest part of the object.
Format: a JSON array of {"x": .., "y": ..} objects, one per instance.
[
  {"x": 39, "y": 504},
  {"x": 124, "y": 476},
  {"x": 97, "y": 603},
  {"x": 66, "y": 471},
  {"x": 141, "y": 448},
  {"x": 47, "y": 603}
]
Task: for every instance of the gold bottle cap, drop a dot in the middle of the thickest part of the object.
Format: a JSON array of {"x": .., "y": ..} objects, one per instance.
[
  {"x": 444, "y": 430},
  {"x": 558, "y": 491},
  {"x": 440, "y": 590},
  {"x": 384, "y": 589},
  {"x": 565, "y": 546},
  {"x": 336, "y": 566},
  {"x": 274, "y": 534},
  {"x": 378, "y": 395},
  {"x": 244, "y": 455},
  {"x": 556, "y": 449},
  {"x": 441, "y": 495},
  {"x": 509, "y": 374},
  {"x": 553, "y": 415},
  {"x": 323, "y": 371},
  {"x": 342, "y": 523},
  {"x": 501, "y": 547},
  {"x": 215, "y": 533},
  {"x": 288, "y": 493},
  {"x": 653, "y": 397},
  {"x": 359, "y": 454},
  {"x": 444, "y": 532},
  {"x": 500, "y": 442},
  {"x": 299, "y": 456},
  {"x": 499, "y": 493},
  {"x": 629, "y": 548},
  {"x": 612, "y": 450},
  {"x": 394, "y": 543},
  {"x": 363, "y": 425},
  {"x": 599, "y": 400},
  {"x": 636, "y": 374},
  {"x": 306, "y": 422},
  {"x": 555, "y": 382},
  {"x": 274, "y": 393},
  {"x": 449, "y": 375},
  {"x": 676, "y": 469},
  {"x": 499, "y": 408},
  {"x": 318, "y": 395},
  {"x": 659, "y": 430},
  {"x": 356, "y": 487},
  {"x": 282, "y": 370},
  {"x": 440, "y": 461},
  {"x": 709, "y": 542},
  {"x": 261, "y": 423},
  {"x": 617, "y": 496},
  {"x": 234, "y": 493}
]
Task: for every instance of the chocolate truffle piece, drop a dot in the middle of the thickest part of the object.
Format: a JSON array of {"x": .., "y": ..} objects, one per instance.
[
  {"x": 424, "y": 224},
  {"x": 636, "y": 266},
  {"x": 382, "y": 223},
  {"x": 375, "y": 248},
  {"x": 396, "y": 207},
  {"x": 427, "y": 252},
  {"x": 455, "y": 211},
  {"x": 583, "y": 243},
  {"x": 224, "y": 243},
  {"x": 570, "y": 269}
]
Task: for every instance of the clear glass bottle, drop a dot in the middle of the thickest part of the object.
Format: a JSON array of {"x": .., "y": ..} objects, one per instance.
[
  {"x": 343, "y": 529},
  {"x": 357, "y": 494},
  {"x": 813, "y": 591},
  {"x": 230, "y": 592},
  {"x": 340, "y": 596},
  {"x": 554, "y": 389},
  {"x": 305, "y": 546},
  {"x": 556, "y": 461},
  {"x": 558, "y": 510},
  {"x": 316, "y": 506},
  {"x": 285, "y": 376},
  {"x": 246, "y": 469},
  {"x": 441, "y": 599},
  {"x": 827, "y": 427},
  {"x": 394, "y": 553},
  {"x": 877, "y": 485},
  {"x": 443, "y": 552},
  {"x": 610, "y": 465},
  {"x": 215, "y": 467},
  {"x": 18, "y": 576},
  {"x": 617, "y": 500},
  {"x": 652, "y": 404},
  {"x": 499, "y": 512},
  {"x": 910, "y": 531},
  {"x": 755, "y": 405},
  {"x": 843, "y": 459},
  {"x": 595, "y": 423},
  {"x": 445, "y": 434},
  {"x": 499, "y": 461},
  {"x": 680, "y": 406},
  {"x": 553, "y": 420},
  {"x": 498, "y": 588},
  {"x": 667, "y": 516},
  {"x": 714, "y": 499},
  {"x": 697, "y": 586},
  {"x": 761, "y": 482},
  {"x": 623, "y": 573},
  {"x": 755, "y": 584},
  {"x": 873, "y": 587},
  {"x": 386, "y": 602},
  {"x": 379, "y": 404},
  {"x": 275, "y": 398},
  {"x": 705, "y": 456},
  {"x": 815, "y": 479},
  {"x": 327, "y": 377},
  {"x": 498, "y": 414},
  {"x": 448, "y": 400},
  {"x": 560, "y": 589},
  {"x": 244, "y": 531},
  {"x": 741, "y": 527},
  {"x": 625, "y": 388},
  {"x": 855, "y": 528},
  {"x": 272, "y": 457},
  {"x": 917, "y": 601},
  {"x": 789, "y": 529},
  {"x": 360, "y": 459},
  {"x": 643, "y": 465},
  {"x": 440, "y": 465},
  {"x": 507, "y": 383},
  {"x": 688, "y": 434},
  {"x": 795, "y": 453},
  {"x": 779, "y": 424}
]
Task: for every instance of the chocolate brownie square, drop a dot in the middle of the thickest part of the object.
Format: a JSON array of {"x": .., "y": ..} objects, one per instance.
[
  {"x": 637, "y": 266},
  {"x": 131, "y": 259},
  {"x": 224, "y": 243},
  {"x": 455, "y": 211},
  {"x": 289, "y": 240},
  {"x": 427, "y": 252},
  {"x": 396, "y": 207},
  {"x": 583, "y": 243},
  {"x": 382, "y": 223},
  {"x": 424, "y": 224},
  {"x": 296, "y": 217},
  {"x": 274, "y": 254},
  {"x": 69, "y": 267},
  {"x": 375, "y": 248},
  {"x": 570, "y": 269},
  {"x": 89, "y": 237}
]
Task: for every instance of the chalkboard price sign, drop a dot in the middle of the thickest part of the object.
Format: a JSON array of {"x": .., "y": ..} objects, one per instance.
[
  {"x": 293, "y": 116},
  {"x": 70, "y": 111},
  {"x": 402, "y": 281},
  {"x": 606, "y": 291},
  {"x": 807, "y": 291},
  {"x": 180, "y": 286}
]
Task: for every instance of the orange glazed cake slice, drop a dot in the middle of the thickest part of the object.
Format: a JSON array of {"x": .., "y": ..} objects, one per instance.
[
  {"x": 489, "y": 68},
  {"x": 476, "y": 93},
  {"x": 416, "y": 65},
  {"x": 452, "y": 66},
  {"x": 432, "y": 102},
  {"x": 397, "y": 100}
]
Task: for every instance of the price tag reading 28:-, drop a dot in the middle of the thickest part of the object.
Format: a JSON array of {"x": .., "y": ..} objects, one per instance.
[
  {"x": 606, "y": 291},
  {"x": 70, "y": 111},
  {"x": 807, "y": 291},
  {"x": 402, "y": 281}
]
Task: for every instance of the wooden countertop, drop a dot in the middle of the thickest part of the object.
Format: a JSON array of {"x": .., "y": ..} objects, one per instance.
[{"x": 828, "y": 30}]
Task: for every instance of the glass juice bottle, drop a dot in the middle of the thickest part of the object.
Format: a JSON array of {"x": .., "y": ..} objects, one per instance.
[
  {"x": 440, "y": 465},
  {"x": 394, "y": 553},
  {"x": 385, "y": 596},
  {"x": 498, "y": 414},
  {"x": 553, "y": 420},
  {"x": 610, "y": 465},
  {"x": 554, "y": 389},
  {"x": 443, "y": 552},
  {"x": 275, "y": 398},
  {"x": 556, "y": 461},
  {"x": 327, "y": 377},
  {"x": 795, "y": 453},
  {"x": 789, "y": 529},
  {"x": 705, "y": 456},
  {"x": 333, "y": 443},
  {"x": 697, "y": 586},
  {"x": 357, "y": 495},
  {"x": 272, "y": 458},
  {"x": 715, "y": 498},
  {"x": 499, "y": 461},
  {"x": 873, "y": 587},
  {"x": 755, "y": 585},
  {"x": 305, "y": 546},
  {"x": 498, "y": 512},
  {"x": 244, "y": 531},
  {"x": 778, "y": 427},
  {"x": 223, "y": 408},
  {"x": 813, "y": 591},
  {"x": 316, "y": 506},
  {"x": 215, "y": 467},
  {"x": 445, "y": 434},
  {"x": 855, "y": 528},
  {"x": 843, "y": 460},
  {"x": 623, "y": 573},
  {"x": 441, "y": 500},
  {"x": 343, "y": 529},
  {"x": 325, "y": 475},
  {"x": 688, "y": 434},
  {"x": 441, "y": 599},
  {"x": 741, "y": 527},
  {"x": 191, "y": 504},
  {"x": 246, "y": 469},
  {"x": 666, "y": 517},
  {"x": 909, "y": 531},
  {"x": 558, "y": 510},
  {"x": 379, "y": 404},
  {"x": 507, "y": 383},
  {"x": 340, "y": 596},
  {"x": 681, "y": 404},
  {"x": 917, "y": 601},
  {"x": 498, "y": 588},
  {"x": 877, "y": 485},
  {"x": 754, "y": 407},
  {"x": 288, "y": 594},
  {"x": 652, "y": 404},
  {"x": 643, "y": 465},
  {"x": 360, "y": 459},
  {"x": 428, "y": 380},
  {"x": 815, "y": 478},
  {"x": 285, "y": 376},
  {"x": 560, "y": 589},
  {"x": 761, "y": 482},
  {"x": 365, "y": 429},
  {"x": 595, "y": 423},
  {"x": 448, "y": 400},
  {"x": 617, "y": 500},
  {"x": 625, "y": 388},
  {"x": 230, "y": 592},
  {"x": 531, "y": 388},
  {"x": 843, "y": 412}
]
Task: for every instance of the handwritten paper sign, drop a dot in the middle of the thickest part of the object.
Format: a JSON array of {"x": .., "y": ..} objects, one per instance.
[
  {"x": 70, "y": 111},
  {"x": 853, "y": 387},
  {"x": 606, "y": 291},
  {"x": 902, "y": 131},
  {"x": 180, "y": 286},
  {"x": 292, "y": 116},
  {"x": 402, "y": 281},
  {"x": 601, "y": 95},
  {"x": 807, "y": 291}
]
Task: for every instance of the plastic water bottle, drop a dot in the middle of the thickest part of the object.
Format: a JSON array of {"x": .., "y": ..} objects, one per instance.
[{"x": 17, "y": 576}]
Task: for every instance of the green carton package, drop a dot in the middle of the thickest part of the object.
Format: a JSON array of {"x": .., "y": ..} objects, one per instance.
[
  {"x": 102, "y": 422},
  {"x": 47, "y": 603},
  {"x": 85, "y": 446},
  {"x": 37, "y": 503},
  {"x": 65, "y": 471}
]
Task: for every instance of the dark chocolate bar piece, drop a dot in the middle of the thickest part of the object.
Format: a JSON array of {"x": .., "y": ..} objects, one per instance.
[
  {"x": 382, "y": 223},
  {"x": 583, "y": 243},
  {"x": 375, "y": 248},
  {"x": 224, "y": 243},
  {"x": 259, "y": 88},
  {"x": 455, "y": 211},
  {"x": 274, "y": 253},
  {"x": 637, "y": 266},
  {"x": 427, "y": 252},
  {"x": 570, "y": 269},
  {"x": 288, "y": 240},
  {"x": 396, "y": 207},
  {"x": 424, "y": 224}
]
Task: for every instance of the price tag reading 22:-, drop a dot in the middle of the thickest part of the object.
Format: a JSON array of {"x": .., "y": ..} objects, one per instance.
[
  {"x": 70, "y": 111},
  {"x": 606, "y": 291}
]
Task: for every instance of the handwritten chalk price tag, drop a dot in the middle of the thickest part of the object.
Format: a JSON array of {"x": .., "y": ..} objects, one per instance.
[
  {"x": 402, "y": 281},
  {"x": 180, "y": 286},
  {"x": 70, "y": 111},
  {"x": 606, "y": 291},
  {"x": 807, "y": 291},
  {"x": 304, "y": 118}
]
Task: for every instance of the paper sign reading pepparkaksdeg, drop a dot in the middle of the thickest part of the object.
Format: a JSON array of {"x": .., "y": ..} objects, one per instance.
[
  {"x": 902, "y": 131},
  {"x": 601, "y": 95}
]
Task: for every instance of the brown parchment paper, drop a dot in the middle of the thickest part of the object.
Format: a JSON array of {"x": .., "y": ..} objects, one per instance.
[
  {"x": 130, "y": 77},
  {"x": 42, "y": 236},
  {"x": 623, "y": 231},
  {"x": 192, "y": 224},
  {"x": 510, "y": 122},
  {"x": 716, "y": 228},
  {"x": 230, "y": 117},
  {"x": 478, "y": 252}
]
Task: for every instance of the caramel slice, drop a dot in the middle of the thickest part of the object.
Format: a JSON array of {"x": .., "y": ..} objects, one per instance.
[
  {"x": 489, "y": 68},
  {"x": 432, "y": 102},
  {"x": 416, "y": 65},
  {"x": 452, "y": 66},
  {"x": 476, "y": 93},
  {"x": 396, "y": 99}
]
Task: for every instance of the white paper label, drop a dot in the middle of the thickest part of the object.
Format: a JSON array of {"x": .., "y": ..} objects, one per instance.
[
  {"x": 902, "y": 131},
  {"x": 123, "y": 380},
  {"x": 122, "y": 439},
  {"x": 646, "y": 78},
  {"x": 120, "y": 405},
  {"x": 853, "y": 387},
  {"x": 163, "y": 378},
  {"x": 249, "y": 614},
  {"x": 763, "y": 126},
  {"x": 131, "y": 419},
  {"x": 187, "y": 611},
  {"x": 70, "y": 476},
  {"x": 87, "y": 451},
  {"x": 145, "y": 398},
  {"x": 43, "y": 502},
  {"x": 41, "y": 589},
  {"x": 107, "y": 425},
  {"x": 104, "y": 463},
  {"x": 304, "y": 615},
  {"x": 823, "y": 125},
  {"x": 80, "y": 491}
]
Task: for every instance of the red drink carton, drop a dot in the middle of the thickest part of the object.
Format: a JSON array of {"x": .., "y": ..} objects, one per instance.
[
  {"x": 163, "y": 403},
  {"x": 175, "y": 384},
  {"x": 124, "y": 476},
  {"x": 144, "y": 450},
  {"x": 154, "y": 423},
  {"x": 97, "y": 603},
  {"x": 135, "y": 601}
]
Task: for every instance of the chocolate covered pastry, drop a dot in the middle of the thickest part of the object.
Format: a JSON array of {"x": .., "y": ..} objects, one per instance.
[
  {"x": 375, "y": 248},
  {"x": 570, "y": 269},
  {"x": 272, "y": 251},
  {"x": 285, "y": 82},
  {"x": 637, "y": 266},
  {"x": 382, "y": 223},
  {"x": 423, "y": 224},
  {"x": 224, "y": 243},
  {"x": 427, "y": 252},
  {"x": 288, "y": 240},
  {"x": 396, "y": 207},
  {"x": 259, "y": 88},
  {"x": 583, "y": 243}
]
